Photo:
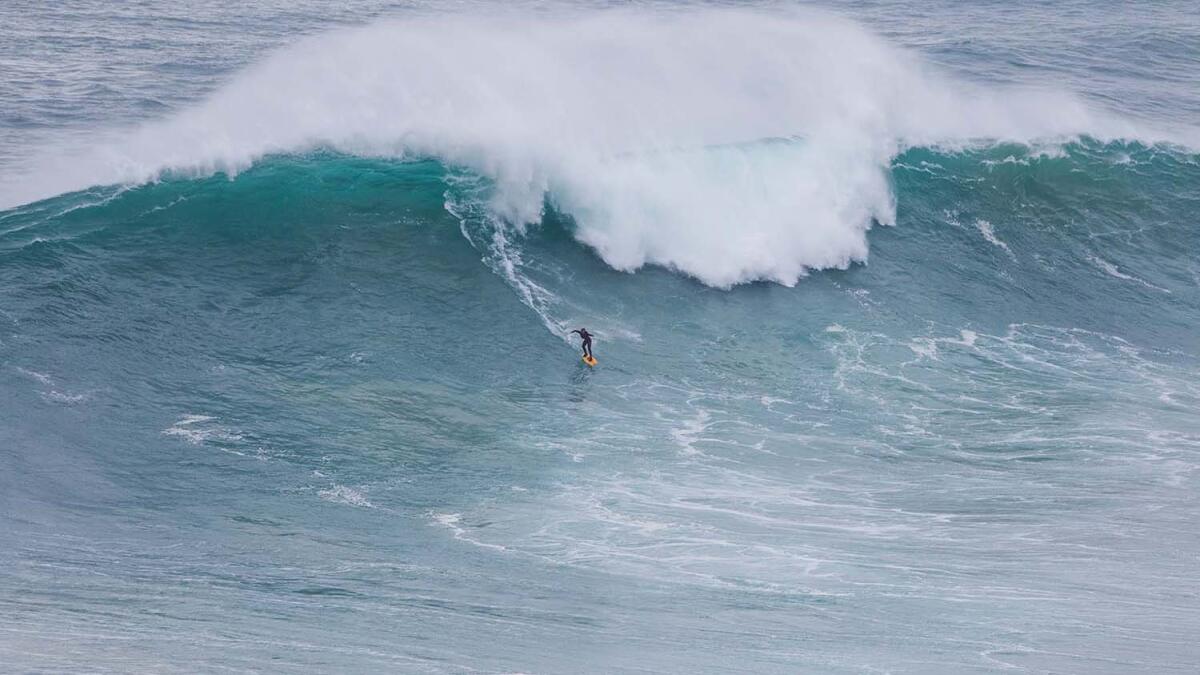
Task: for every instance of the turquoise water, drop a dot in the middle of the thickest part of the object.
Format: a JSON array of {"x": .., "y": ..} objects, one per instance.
[{"x": 896, "y": 311}]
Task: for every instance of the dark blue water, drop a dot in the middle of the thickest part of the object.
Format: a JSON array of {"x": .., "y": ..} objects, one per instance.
[{"x": 896, "y": 311}]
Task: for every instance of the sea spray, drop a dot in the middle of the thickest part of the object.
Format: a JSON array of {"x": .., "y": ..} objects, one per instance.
[{"x": 730, "y": 145}]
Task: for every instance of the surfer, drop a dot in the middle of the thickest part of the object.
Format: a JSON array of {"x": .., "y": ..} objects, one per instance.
[{"x": 587, "y": 342}]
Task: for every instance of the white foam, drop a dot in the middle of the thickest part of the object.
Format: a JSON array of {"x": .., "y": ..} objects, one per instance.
[
  {"x": 1115, "y": 272},
  {"x": 64, "y": 397},
  {"x": 449, "y": 520},
  {"x": 687, "y": 433},
  {"x": 729, "y": 144},
  {"x": 341, "y": 494},
  {"x": 40, "y": 377},
  {"x": 925, "y": 348},
  {"x": 989, "y": 233},
  {"x": 199, "y": 429},
  {"x": 452, "y": 522},
  {"x": 53, "y": 395}
]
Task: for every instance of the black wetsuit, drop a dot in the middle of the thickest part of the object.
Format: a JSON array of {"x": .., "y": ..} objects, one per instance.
[{"x": 587, "y": 341}]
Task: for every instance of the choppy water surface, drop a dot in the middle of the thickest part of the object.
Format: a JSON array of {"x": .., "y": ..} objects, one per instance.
[{"x": 896, "y": 310}]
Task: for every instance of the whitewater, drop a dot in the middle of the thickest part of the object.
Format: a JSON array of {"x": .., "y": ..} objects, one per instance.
[
  {"x": 688, "y": 125},
  {"x": 896, "y": 308}
]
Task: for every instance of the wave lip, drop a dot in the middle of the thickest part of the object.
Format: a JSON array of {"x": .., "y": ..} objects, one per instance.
[{"x": 730, "y": 144}]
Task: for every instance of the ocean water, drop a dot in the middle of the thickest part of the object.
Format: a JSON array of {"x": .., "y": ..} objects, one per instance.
[{"x": 897, "y": 309}]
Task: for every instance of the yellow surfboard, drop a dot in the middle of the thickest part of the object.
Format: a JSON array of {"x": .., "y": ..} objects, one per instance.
[{"x": 590, "y": 360}]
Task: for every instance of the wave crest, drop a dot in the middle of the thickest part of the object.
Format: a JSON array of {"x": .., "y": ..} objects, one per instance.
[{"x": 732, "y": 145}]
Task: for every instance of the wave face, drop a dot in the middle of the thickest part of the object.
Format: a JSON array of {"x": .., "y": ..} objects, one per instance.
[
  {"x": 286, "y": 379},
  {"x": 309, "y": 364},
  {"x": 730, "y": 145}
]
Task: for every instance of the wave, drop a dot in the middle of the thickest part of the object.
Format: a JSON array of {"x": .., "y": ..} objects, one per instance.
[{"x": 730, "y": 145}]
